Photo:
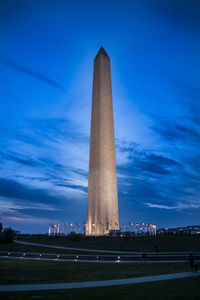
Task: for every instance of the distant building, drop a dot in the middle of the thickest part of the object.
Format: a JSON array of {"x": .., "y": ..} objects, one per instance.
[{"x": 189, "y": 230}]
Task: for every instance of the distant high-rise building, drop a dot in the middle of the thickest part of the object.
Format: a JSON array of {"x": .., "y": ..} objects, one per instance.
[{"x": 102, "y": 207}]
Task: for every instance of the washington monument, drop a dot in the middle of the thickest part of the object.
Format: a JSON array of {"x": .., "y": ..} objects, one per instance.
[{"x": 102, "y": 206}]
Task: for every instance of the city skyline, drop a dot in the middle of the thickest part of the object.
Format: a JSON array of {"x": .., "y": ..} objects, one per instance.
[{"x": 46, "y": 64}]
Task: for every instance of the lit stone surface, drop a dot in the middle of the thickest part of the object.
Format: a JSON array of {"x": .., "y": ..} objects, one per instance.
[{"x": 102, "y": 210}]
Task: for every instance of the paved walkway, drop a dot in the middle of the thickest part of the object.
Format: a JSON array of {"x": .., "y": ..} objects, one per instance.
[
  {"x": 97, "y": 261},
  {"x": 77, "y": 285},
  {"x": 97, "y": 251}
]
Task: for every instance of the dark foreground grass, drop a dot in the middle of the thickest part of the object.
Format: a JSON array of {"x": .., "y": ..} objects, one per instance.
[
  {"x": 165, "y": 243},
  {"x": 35, "y": 249},
  {"x": 26, "y": 272},
  {"x": 179, "y": 289}
]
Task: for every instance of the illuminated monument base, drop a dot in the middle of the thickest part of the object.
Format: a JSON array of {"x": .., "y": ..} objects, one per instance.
[
  {"x": 102, "y": 209},
  {"x": 134, "y": 229}
]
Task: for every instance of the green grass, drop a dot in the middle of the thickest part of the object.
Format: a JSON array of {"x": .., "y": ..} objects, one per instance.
[
  {"x": 179, "y": 289},
  {"x": 165, "y": 243},
  {"x": 35, "y": 249},
  {"x": 19, "y": 272}
]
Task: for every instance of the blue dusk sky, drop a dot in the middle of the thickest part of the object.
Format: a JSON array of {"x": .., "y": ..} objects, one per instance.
[{"x": 46, "y": 69}]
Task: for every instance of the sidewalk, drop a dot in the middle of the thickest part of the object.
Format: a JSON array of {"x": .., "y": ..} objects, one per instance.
[
  {"x": 78, "y": 285},
  {"x": 97, "y": 261}
]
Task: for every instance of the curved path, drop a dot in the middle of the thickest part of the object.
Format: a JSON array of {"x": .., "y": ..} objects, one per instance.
[
  {"x": 78, "y": 285},
  {"x": 148, "y": 261},
  {"x": 100, "y": 258},
  {"x": 99, "y": 251}
]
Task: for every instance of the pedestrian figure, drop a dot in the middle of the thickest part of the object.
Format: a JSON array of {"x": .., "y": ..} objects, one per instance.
[
  {"x": 191, "y": 261},
  {"x": 156, "y": 248},
  {"x": 143, "y": 255},
  {"x": 195, "y": 266}
]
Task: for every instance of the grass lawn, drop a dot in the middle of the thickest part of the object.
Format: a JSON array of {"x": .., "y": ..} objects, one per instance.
[
  {"x": 165, "y": 243},
  {"x": 35, "y": 249},
  {"x": 179, "y": 289},
  {"x": 19, "y": 272}
]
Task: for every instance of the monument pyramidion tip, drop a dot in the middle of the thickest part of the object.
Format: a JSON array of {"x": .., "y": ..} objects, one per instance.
[{"x": 102, "y": 51}]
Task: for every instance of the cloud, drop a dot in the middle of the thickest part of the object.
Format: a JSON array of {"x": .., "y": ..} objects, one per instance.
[
  {"x": 150, "y": 180},
  {"x": 190, "y": 133},
  {"x": 59, "y": 173},
  {"x": 158, "y": 164},
  {"x": 11, "y": 205},
  {"x": 183, "y": 14},
  {"x": 160, "y": 206},
  {"x": 54, "y": 169},
  {"x": 7, "y": 62},
  {"x": 76, "y": 187},
  {"x": 23, "y": 161},
  {"x": 180, "y": 206},
  {"x": 172, "y": 131},
  {"x": 27, "y": 220},
  {"x": 141, "y": 161},
  {"x": 20, "y": 204},
  {"x": 15, "y": 190}
]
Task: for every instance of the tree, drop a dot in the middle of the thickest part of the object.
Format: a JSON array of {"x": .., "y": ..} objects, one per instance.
[
  {"x": 75, "y": 236},
  {"x": 127, "y": 235},
  {"x": 8, "y": 235}
]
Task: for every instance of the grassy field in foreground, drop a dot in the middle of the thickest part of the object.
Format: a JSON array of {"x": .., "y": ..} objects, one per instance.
[
  {"x": 165, "y": 243},
  {"x": 19, "y": 272},
  {"x": 179, "y": 289},
  {"x": 35, "y": 249}
]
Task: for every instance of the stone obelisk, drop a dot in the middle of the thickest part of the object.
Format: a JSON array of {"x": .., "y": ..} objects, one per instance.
[{"x": 102, "y": 207}]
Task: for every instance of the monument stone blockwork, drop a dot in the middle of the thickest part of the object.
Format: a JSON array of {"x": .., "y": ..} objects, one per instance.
[{"x": 102, "y": 206}]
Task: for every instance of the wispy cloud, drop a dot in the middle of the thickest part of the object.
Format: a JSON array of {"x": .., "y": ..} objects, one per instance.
[
  {"x": 10, "y": 64},
  {"x": 27, "y": 220},
  {"x": 172, "y": 131},
  {"x": 180, "y": 206},
  {"x": 11, "y": 205},
  {"x": 23, "y": 161},
  {"x": 145, "y": 161},
  {"x": 53, "y": 169}
]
